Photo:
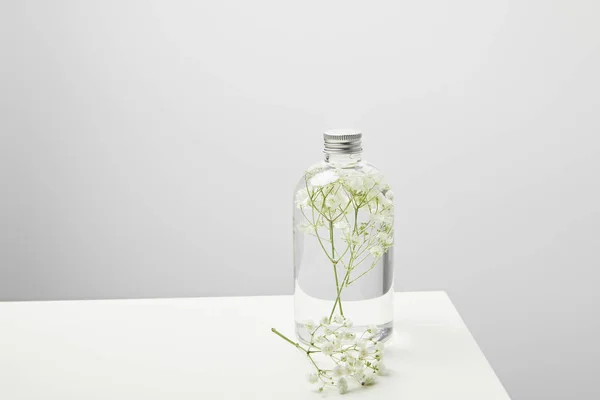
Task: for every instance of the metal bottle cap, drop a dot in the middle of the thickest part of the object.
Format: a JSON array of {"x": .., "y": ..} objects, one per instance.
[{"x": 342, "y": 141}]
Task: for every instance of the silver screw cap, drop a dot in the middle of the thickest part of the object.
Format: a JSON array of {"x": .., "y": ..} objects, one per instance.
[{"x": 342, "y": 141}]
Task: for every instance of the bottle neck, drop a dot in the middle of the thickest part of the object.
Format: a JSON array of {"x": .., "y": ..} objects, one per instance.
[{"x": 343, "y": 160}]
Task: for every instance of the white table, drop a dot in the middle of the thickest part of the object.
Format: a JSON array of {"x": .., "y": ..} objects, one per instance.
[{"x": 221, "y": 348}]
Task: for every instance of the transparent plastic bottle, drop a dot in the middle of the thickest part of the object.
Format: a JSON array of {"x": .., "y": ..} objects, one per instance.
[{"x": 343, "y": 241}]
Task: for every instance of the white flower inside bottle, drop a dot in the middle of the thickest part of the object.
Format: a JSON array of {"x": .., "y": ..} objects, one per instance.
[{"x": 343, "y": 241}]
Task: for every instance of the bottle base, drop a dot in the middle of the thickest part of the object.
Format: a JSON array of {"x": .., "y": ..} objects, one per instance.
[{"x": 384, "y": 332}]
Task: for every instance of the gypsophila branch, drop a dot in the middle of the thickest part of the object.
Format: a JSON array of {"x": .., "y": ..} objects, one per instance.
[{"x": 352, "y": 212}]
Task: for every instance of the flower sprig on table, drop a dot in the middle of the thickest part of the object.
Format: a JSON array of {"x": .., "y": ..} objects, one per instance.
[{"x": 344, "y": 356}]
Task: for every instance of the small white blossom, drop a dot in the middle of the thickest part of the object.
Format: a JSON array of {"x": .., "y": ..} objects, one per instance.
[
  {"x": 336, "y": 200},
  {"x": 338, "y": 319},
  {"x": 351, "y": 370},
  {"x": 354, "y": 239},
  {"x": 368, "y": 182},
  {"x": 330, "y": 202},
  {"x": 355, "y": 183},
  {"x": 339, "y": 371},
  {"x": 389, "y": 195},
  {"x": 302, "y": 198},
  {"x": 343, "y": 386},
  {"x": 358, "y": 368},
  {"x": 306, "y": 227},
  {"x": 327, "y": 348},
  {"x": 348, "y": 323},
  {"x": 309, "y": 325},
  {"x": 324, "y": 321},
  {"x": 379, "y": 346},
  {"x": 381, "y": 368},
  {"x": 363, "y": 352},
  {"x": 324, "y": 178},
  {"x": 373, "y": 330},
  {"x": 367, "y": 380},
  {"x": 388, "y": 219},
  {"x": 313, "y": 378},
  {"x": 343, "y": 226},
  {"x": 382, "y": 201},
  {"x": 348, "y": 336},
  {"x": 378, "y": 218},
  {"x": 337, "y": 344},
  {"x": 376, "y": 250},
  {"x": 385, "y": 238},
  {"x": 349, "y": 359}
]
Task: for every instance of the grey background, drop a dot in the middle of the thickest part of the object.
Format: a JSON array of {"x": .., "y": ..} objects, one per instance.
[{"x": 150, "y": 149}]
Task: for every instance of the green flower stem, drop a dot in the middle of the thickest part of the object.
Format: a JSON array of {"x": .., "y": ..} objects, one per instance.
[
  {"x": 331, "y": 239},
  {"x": 337, "y": 283},
  {"x": 298, "y": 346},
  {"x": 338, "y": 299},
  {"x": 369, "y": 269},
  {"x": 323, "y": 239},
  {"x": 281, "y": 335},
  {"x": 363, "y": 259},
  {"x": 343, "y": 254},
  {"x": 323, "y": 247}
]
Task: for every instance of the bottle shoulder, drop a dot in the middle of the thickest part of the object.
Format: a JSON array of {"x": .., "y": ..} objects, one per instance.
[
  {"x": 362, "y": 175},
  {"x": 359, "y": 168}
]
